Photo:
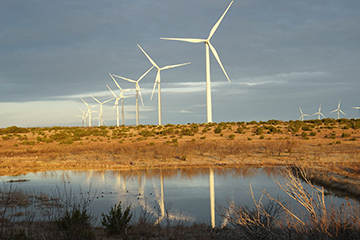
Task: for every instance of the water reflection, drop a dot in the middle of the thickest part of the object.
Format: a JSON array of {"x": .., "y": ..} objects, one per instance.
[{"x": 164, "y": 194}]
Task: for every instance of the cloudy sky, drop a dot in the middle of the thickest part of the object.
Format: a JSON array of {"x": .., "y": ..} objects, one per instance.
[{"x": 280, "y": 55}]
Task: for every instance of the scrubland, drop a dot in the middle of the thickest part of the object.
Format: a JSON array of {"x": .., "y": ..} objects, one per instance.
[
  {"x": 325, "y": 152},
  {"x": 313, "y": 142}
]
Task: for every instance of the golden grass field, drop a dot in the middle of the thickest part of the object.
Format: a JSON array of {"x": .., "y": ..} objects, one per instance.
[
  {"x": 316, "y": 143},
  {"x": 328, "y": 150}
]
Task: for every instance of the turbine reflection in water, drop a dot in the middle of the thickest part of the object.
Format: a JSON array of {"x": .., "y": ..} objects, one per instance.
[{"x": 187, "y": 190}]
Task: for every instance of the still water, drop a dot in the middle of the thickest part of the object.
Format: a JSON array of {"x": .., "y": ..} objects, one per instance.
[{"x": 187, "y": 195}]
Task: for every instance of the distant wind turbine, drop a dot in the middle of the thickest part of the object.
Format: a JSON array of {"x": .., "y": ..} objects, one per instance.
[
  {"x": 302, "y": 115},
  {"x": 319, "y": 113},
  {"x": 338, "y": 110},
  {"x": 207, "y": 57},
  {"x": 138, "y": 91},
  {"x": 89, "y": 111},
  {"x": 158, "y": 80},
  {"x": 358, "y": 108},
  {"x": 83, "y": 117},
  {"x": 101, "y": 117},
  {"x": 117, "y": 98}
]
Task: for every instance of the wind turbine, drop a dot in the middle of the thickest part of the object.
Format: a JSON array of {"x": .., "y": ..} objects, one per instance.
[
  {"x": 338, "y": 110},
  {"x": 117, "y": 98},
  {"x": 138, "y": 92},
  {"x": 89, "y": 111},
  {"x": 207, "y": 57},
  {"x": 158, "y": 80},
  {"x": 302, "y": 115},
  {"x": 358, "y": 108},
  {"x": 319, "y": 113},
  {"x": 101, "y": 117},
  {"x": 83, "y": 117}
]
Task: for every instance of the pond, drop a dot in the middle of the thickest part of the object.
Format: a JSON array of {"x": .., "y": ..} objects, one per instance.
[{"x": 163, "y": 195}]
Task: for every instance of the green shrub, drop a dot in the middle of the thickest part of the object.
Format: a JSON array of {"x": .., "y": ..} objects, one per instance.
[
  {"x": 313, "y": 134},
  {"x": 304, "y": 136},
  {"x": 76, "y": 224},
  {"x": 232, "y": 137},
  {"x": 117, "y": 221},
  {"x": 333, "y": 136},
  {"x": 239, "y": 130},
  {"x": 345, "y": 135},
  {"x": 217, "y": 130}
]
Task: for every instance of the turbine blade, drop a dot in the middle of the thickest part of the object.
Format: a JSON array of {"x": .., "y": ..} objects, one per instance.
[
  {"x": 156, "y": 81},
  {"x": 342, "y": 112},
  {"x": 107, "y": 100},
  {"x": 115, "y": 82},
  {"x": 142, "y": 76},
  {"x": 300, "y": 110},
  {"x": 218, "y": 22},
  {"x": 85, "y": 102},
  {"x": 218, "y": 59},
  {"x": 95, "y": 98},
  {"x": 142, "y": 102},
  {"x": 111, "y": 91},
  {"x": 174, "y": 66},
  {"x": 191, "y": 40},
  {"x": 334, "y": 111},
  {"x": 127, "y": 79},
  {"x": 152, "y": 61}
]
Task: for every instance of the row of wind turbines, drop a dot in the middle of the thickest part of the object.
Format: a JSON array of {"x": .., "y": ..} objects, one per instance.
[
  {"x": 320, "y": 114},
  {"x": 86, "y": 116}
]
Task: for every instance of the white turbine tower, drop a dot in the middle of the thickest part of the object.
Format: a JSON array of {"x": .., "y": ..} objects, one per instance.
[
  {"x": 117, "y": 98},
  {"x": 138, "y": 92},
  {"x": 83, "y": 117},
  {"x": 158, "y": 80},
  {"x": 319, "y": 113},
  {"x": 101, "y": 117},
  {"x": 207, "y": 57},
  {"x": 89, "y": 111},
  {"x": 338, "y": 110},
  {"x": 358, "y": 108},
  {"x": 302, "y": 115}
]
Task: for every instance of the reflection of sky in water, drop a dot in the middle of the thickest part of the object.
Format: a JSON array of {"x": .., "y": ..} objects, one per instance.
[{"x": 186, "y": 193}]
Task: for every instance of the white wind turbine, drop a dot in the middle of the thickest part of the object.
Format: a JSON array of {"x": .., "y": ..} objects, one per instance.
[
  {"x": 117, "y": 98},
  {"x": 302, "y": 115},
  {"x": 358, "y": 108},
  {"x": 338, "y": 110},
  {"x": 319, "y": 113},
  {"x": 101, "y": 117},
  {"x": 83, "y": 117},
  {"x": 138, "y": 92},
  {"x": 207, "y": 57},
  {"x": 89, "y": 111},
  {"x": 158, "y": 80}
]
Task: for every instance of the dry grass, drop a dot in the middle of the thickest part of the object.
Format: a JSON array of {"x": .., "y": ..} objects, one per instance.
[
  {"x": 328, "y": 143},
  {"x": 277, "y": 220}
]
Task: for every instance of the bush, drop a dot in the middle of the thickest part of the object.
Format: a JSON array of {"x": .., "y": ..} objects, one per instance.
[
  {"x": 117, "y": 221},
  {"x": 76, "y": 224},
  {"x": 304, "y": 136},
  {"x": 217, "y": 130}
]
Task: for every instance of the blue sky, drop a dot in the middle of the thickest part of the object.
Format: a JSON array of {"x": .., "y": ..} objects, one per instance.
[{"x": 279, "y": 55}]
